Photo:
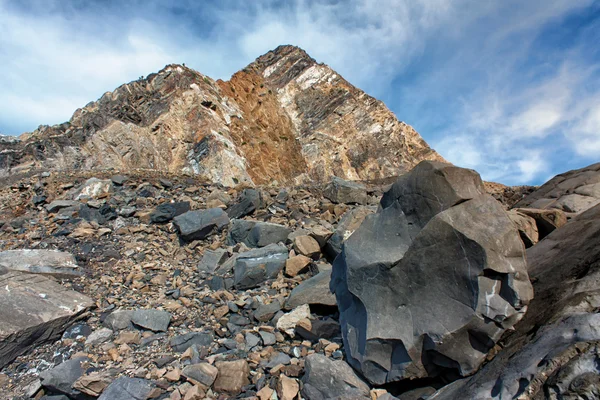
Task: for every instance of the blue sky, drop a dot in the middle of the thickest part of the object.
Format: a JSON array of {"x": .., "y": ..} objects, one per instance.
[{"x": 510, "y": 88}]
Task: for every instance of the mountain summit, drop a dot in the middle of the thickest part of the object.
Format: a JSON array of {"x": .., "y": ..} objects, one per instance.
[{"x": 283, "y": 118}]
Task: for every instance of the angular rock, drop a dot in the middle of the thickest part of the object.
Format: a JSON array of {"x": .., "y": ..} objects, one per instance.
[
  {"x": 202, "y": 373},
  {"x": 125, "y": 388},
  {"x": 297, "y": 265},
  {"x": 307, "y": 246},
  {"x": 526, "y": 226},
  {"x": 58, "y": 205},
  {"x": 61, "y": 378},
  {"x": 94, "y": 383},
  {"x": 94, "y": 188},
  {"x": 153, "y": 320},
  {"x": 346, "y": 192},
  {"x": 211, "y": 260},
  {"x": 99, "y": 336},
  {"x": 255, "y": 266},
  {"x": 287, "y": 323},
  {"x": 46, "y": 262},
  {"x": 247, "y": 202},
  {"x": 119, "y": 320},
  {"x": 325, "y": 378},
  {"x": 232, "y": 377},
  {"x": 256, "y": 234},
  {"x": 119, "y": 180},
  {"x": 34, "y": 310},
  {"x": 572, "y": 192},
  {"x": 546, "y": 220},
  {"x": 287, "y": 388},
  {"x": 314, "y": 290},
  {"x": 320, "y": 329},
  {"x": 167, "y": 211},
  {"x": 197, "y": 225},
  {"x": 266, "y": 312},
  {"x": 349, "y": 222},
  {"x": 431, "y": 281},
  {"x": 182, "y": 342}
]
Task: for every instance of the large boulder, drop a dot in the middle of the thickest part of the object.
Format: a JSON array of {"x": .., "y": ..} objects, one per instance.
[
  {"x": 429, "y": 283},
  {"x": 572, "y": 192},
  {"x": 199, "y": 224},
  {"x": 313, "y": 291},
  {"x": 554, "y": 353},
  {"x": 349, "y": 222},
  {"x": 347, "y": 192},
  {"x": 167, "y": 211},
  {"x": 35, "y": 310},
  {"x": 36, "y": 261}
]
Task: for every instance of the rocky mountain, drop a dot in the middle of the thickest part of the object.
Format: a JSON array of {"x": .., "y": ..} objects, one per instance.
[{"x": 284, "y": 118}]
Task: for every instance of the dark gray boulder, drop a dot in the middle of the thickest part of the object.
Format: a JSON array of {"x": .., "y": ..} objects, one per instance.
[
  {"x": 125, "y": 388},
  {"x": 349, "y": 222},
  {"x": 430, "y": 282},
  {"x": 153, "y": 320},
  {"x": 248, "y": 201},
  {"x": 197, "y": 225},
  {"x": 347, "y": 192},
  {"x": 312, "y": 291},
  {"x": 554, "y": 352},
  {"x": 325, "y": 378},
  {"x": 167, "y": 211},
  {"x": 61, "y": 378},
  {"x": 255, "y": 266},
  {"x": 256, "y": 234}
]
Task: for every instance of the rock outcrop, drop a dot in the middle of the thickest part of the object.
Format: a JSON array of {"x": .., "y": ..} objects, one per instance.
[
  {"x": 284, "y": 118},
  {"x": 554, "y": 353},
  {"x": 429, "y": 283},
  {"x": 572, "y": 192}
]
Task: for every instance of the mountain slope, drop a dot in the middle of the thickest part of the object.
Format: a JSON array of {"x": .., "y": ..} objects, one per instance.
[{"x": 283, "y": 118}]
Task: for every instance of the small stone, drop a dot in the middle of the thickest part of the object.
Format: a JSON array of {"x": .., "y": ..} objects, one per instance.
[
  {"x": 296, "y": 265},
  {"x": 251, "y": 341},
  {"x": 182, "y": 342},
  {"x": 128, "y": 337},
  {"x": 125, "y": 388},
  {"x": 99, "y": 336},
  {"x": 232, "y": 377},
  {"x": 265, "y": 312},
  {"x": 287, "y": 323},
  {"x": 154, "y": 320},
  {"x": 202, "y": 373},
  {"x": 267, "y": 337},
  {"x": 287, "y": 388},
  {"x": 93, "y": 384},
  {"x": 307, "y": 246},
  {"x": 174, "y": 375}
]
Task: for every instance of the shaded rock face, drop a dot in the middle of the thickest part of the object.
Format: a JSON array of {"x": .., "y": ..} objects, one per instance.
[
  {"x": 283, "y": 118},
  {"x": 572, "y": 192},
  {"x": 431, "y": 281},
  {"x": 554, "y": 351}
]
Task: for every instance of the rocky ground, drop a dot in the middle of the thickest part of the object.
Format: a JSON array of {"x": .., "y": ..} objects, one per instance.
[
  {"x": 185, "y": 289},
  {"x": 131, "y": 259}
]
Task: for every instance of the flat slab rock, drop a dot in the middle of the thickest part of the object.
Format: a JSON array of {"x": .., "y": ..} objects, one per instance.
[
  {"x": 34, "y": 309},
  {"x": 47, "y": 262}
]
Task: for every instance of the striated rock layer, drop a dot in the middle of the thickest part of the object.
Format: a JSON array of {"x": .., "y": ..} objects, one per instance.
[{"x": 283, "y": 118}]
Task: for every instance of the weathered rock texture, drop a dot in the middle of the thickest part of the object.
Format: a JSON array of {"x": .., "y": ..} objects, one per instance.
[
  {"x": 554, "y": 353},
  {"x": 572, "y": 192},
  {"x": 431, "y": 281},
  {"x": 283, "y": 118},
  {"x": 34, "y": 310}
]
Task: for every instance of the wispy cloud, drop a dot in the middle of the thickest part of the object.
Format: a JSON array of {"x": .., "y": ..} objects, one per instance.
[{"x": 509, "y": 88}]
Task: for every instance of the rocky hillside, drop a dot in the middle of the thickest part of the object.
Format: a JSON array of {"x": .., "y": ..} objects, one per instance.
[
  {"x": 283, "y": 119},
  {"x": 164, "y": 286}
]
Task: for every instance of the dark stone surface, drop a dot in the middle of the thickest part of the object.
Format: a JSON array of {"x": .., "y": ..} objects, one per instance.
[
  {"x": 60, "y": 378},
  {"x": 167, "y": 211},
  {"x": 248, "y": 201},
  {"x": 197, "y": 225},
  {"x": 347, "y": 192},
  {"x": 429, "y": 283},
  {"x": 256, "y": 234},
  {"x": 182, "y": 342},
  {"x": 125, "y": 388},
  {"x": 153, "y": 320},
  {"x": 325, "y": 378},
  {"x": 255, "y": 266}
]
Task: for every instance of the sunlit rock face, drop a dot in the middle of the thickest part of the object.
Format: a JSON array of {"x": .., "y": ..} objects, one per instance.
[
  {"x": 429, "y": 283},
  {"x": 283, "y": 118}
]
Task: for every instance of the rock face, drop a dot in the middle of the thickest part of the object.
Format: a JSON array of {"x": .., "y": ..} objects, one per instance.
[
  {"x": 554, "y": 352},
  {"x": 430, "y": 282},
  {"x": 572, "y": 192},
  {"x": 326, "y": 379},
  {"x": 283, "y": 118},
  {"x": 46, "y": 262},
  {"x": 34, "y": 310}
]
